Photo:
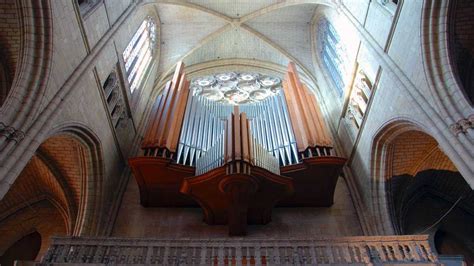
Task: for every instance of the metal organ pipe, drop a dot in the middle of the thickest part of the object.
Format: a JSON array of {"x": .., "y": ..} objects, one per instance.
[
  {"x": 269, "y": 123},
  {"x": 203, "y": 124},
  {"x": 287, "y": 124}
]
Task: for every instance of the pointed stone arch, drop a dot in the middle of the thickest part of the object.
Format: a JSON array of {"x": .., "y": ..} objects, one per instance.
[
  {"x": 90, "y": 209},
  {"x": 59, "y": 191},
  {"x": 441, "y": 70},
  {"x": 380, "y": 172},
  {"x": 402, "y": 148},
  {"x": 29, "y": 67}
]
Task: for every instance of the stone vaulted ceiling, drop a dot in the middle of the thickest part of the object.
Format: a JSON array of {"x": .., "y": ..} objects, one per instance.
[{"x": 198, "y": 31}]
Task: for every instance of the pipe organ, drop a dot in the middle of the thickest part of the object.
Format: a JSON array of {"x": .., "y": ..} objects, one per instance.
[{"x": 237, "y": 145}]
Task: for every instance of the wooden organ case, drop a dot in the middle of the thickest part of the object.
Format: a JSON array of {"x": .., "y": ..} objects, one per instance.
[{"x": 236, "y": 162}]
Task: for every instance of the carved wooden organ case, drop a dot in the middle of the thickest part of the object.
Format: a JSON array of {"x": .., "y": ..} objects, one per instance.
[{"x": 236, "y": 151}]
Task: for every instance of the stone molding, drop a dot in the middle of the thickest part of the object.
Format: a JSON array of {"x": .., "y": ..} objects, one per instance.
[
  {"x": 439, "y": 66},
  {"x": 463, "y": 125},
  {"x": 27, "y": 91},
  {"x": 10, "y": 133}
]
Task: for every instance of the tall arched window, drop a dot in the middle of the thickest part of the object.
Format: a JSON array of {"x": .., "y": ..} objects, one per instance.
[
  {"x": 139, "y": 53},
  {"x": 333, "y": 54}
]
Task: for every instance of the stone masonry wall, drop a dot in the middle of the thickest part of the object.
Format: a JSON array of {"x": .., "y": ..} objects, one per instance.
[{"x": 10, "y": 35}]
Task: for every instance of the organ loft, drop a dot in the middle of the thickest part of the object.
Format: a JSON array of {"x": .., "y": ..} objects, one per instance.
[{"x": 236, "y": 132}]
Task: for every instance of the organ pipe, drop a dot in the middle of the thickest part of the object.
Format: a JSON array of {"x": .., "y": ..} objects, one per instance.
[
  {"x": 305, "y": 115},
  {"x": 286, "y": 124},
  {"x": 204, "y": 122},
  {"x": 236, "y": 131},
  {"x": 269, "y": 123},
  {"x": 167, "y": 115}
]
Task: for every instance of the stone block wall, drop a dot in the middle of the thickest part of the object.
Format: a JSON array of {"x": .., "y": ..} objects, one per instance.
[
  {"x": 392, "y": 53},
  {"x": 9, "y": 35},
  {"x": 84, "y": 52}
]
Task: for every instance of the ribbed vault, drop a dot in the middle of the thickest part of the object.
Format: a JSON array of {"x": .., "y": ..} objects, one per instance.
[{"x": 271, "y": 31}]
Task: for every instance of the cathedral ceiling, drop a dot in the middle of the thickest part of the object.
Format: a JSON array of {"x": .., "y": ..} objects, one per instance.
[{"x": 273, "y": 31}]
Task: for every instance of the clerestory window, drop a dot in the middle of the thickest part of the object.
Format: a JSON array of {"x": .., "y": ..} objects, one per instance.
[
  {"x": 333, "y": 55},
  {"x": 139, "y": 53}
]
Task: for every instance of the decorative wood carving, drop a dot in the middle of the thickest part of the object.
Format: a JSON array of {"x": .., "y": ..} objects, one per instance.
[{"x": 237, "y": 199}]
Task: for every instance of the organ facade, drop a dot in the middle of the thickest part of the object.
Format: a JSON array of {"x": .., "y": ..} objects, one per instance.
[{"x": 237, "y": 145}]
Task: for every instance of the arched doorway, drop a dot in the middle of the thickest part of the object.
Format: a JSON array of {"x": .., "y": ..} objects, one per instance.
[{"x": 422, "y": 191}]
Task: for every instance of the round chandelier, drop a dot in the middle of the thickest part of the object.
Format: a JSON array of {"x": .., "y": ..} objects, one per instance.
[{"x": 236, "y": 88}]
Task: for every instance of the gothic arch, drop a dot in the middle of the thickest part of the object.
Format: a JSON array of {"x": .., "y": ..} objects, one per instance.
[
  {"x": 37, "y": 201},
  {"x": 63, "y": 179},
  {"x": 30, "y": 241},
  {"x": 440, "y": 66},
  {"x": 90, "y": 211},
  {"x": 30, "y": 67},
  {"x": 41, "y": 216},
  {"x": 380, "y": 171},
  {"x": 404, "y": 152}
]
